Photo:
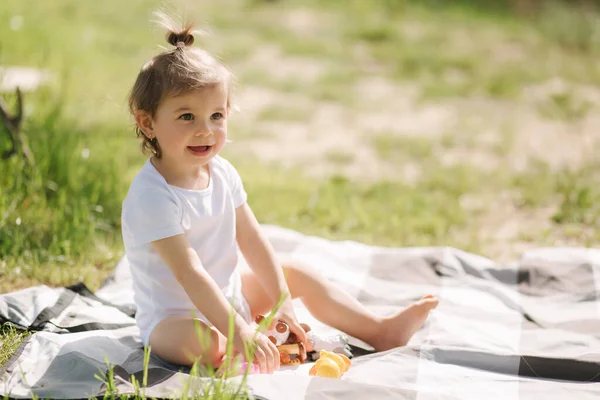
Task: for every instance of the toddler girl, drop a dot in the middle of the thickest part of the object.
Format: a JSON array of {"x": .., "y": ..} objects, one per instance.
[{"x": 186, "y": 214}]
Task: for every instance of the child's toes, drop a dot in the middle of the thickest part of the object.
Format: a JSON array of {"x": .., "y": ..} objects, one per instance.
[{"x": 430, "y": 301}]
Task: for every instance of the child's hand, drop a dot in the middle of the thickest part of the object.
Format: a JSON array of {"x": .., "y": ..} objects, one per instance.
[
  {"x": 286, "y": 314},
  {"x": 266, "y": 354}
]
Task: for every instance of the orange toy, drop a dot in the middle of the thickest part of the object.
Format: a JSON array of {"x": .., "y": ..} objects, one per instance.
[
  {"x": 330, "y": 365},
  {"x": 291, "y": 354}
]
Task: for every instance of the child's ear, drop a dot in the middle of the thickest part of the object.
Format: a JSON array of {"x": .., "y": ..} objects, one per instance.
[{"x": 144, "y": 121}]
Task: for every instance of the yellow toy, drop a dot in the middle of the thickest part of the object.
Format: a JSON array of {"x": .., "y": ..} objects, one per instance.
[{"x": 330, "y": 365}]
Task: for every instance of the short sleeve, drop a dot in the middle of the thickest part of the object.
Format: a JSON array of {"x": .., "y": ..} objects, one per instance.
[
  {"x": 235, "y": 184},
  {"x": 150, "y": 214}
]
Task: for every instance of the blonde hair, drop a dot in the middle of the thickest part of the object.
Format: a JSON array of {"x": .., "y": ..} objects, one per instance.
[{"x": 174, "y": 72}]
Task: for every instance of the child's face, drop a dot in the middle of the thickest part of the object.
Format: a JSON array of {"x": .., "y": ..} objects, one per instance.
[{"x": 192, "y": 128}]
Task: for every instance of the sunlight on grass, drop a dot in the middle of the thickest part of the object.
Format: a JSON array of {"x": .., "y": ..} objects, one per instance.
[
  {"x": 287, "y": 112},
  {"x": 88, "y": 117},
  {"x": 10, "y": 340},
  {"x": 385, "y": 213},
  {"x": 339, "y": 157},
  {"x": 565, "y": 106},
  {"x": 397, "y": 146}
]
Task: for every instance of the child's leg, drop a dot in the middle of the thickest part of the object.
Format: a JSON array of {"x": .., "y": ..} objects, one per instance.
[
  {"x": 336, "y": 308},
  {"x": 175, "y": 340}
]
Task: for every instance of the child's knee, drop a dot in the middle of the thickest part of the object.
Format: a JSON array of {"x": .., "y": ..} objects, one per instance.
[
  {"x": 208, "y": 352},
  {"x": 296, "y": 269},
  {"x": 178, "y": 340},
  {"x": 292, "y": 270},
  {"x": 214, "y": 358},
  {"x": 299, "y": 276}
]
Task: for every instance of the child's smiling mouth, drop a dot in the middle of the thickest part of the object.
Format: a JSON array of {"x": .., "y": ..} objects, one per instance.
[{"x": 200, "y": 150}]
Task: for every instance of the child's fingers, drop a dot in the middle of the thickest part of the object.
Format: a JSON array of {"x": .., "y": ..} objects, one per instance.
[
  {"x": 275, "y": 352},
  {"x": 261, "y": 359},
  {"x": 299, "y": 331},
  {"x": 270, "y": 352}
]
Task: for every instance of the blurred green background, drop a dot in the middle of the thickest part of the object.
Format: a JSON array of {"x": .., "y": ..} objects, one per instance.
[{"x": 399, "y": 123}]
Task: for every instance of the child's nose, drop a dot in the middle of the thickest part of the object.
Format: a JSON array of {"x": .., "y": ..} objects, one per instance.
[{"x": 202, "y": 129}]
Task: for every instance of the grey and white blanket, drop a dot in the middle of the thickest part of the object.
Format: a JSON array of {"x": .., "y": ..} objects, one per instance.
[{"x": 530, "y": 329}]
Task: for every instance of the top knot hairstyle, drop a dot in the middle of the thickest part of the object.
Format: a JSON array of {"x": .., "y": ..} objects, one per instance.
[
  {"x": 174, "y": 72},
  {"x": 181, "y": 39}
]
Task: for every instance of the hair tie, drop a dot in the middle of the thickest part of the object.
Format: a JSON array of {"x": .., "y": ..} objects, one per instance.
[{"x": 180, "y": 45}]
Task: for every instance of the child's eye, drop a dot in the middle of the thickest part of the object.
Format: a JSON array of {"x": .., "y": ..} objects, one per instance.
[
  {"x": 216, "y": 115},
  {"x": 186, "y": 116}
]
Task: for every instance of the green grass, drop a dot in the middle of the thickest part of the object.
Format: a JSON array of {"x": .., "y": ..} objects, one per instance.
[
  {"x": 285, "y": 112},
  {"x": 64, "y": 211},
  {"x": 579, "y": 196},
  {"x": 384, "y": 213},
  {"x": 10, "y": 340},
  {"x": 574, "y": 28},
  {"x": 397, "y": 146},
  {"x": 575, "y": 195},
  {"x": 565, "y": 106},
  {"x": 339, "y": 157},
  {"x": 60, "y": 220}
]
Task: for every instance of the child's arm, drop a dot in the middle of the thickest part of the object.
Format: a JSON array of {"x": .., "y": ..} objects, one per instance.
[
  {"x": 201, "y": 288},
  {"x": 260, "y": 256}
]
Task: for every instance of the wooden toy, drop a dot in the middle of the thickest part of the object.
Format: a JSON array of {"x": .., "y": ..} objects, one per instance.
[{"x": 331, "y": 364}]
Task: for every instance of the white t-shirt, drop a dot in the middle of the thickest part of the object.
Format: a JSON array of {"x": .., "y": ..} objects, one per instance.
[{"x": 154, "y": 210}]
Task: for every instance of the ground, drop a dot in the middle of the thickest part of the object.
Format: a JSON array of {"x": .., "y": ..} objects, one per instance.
[
  {"x": 363, "y": 124},
  {"x": 393, "y": 125}
]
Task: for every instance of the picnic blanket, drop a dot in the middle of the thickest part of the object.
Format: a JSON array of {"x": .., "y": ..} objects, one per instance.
[{"x": 530, "y": 329}]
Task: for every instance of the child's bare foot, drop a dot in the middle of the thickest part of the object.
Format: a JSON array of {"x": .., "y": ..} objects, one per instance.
[{"x": 397, "y": 330}]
